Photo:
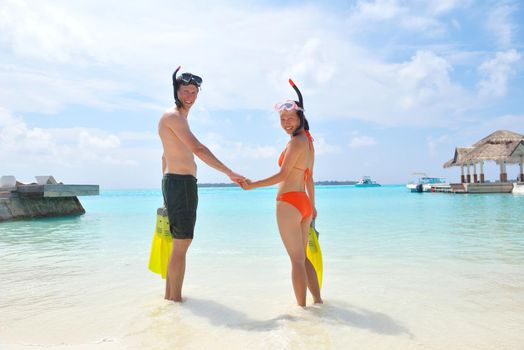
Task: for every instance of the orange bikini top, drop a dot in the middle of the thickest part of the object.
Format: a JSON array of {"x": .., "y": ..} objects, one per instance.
[{"x": 307, "y": 172}]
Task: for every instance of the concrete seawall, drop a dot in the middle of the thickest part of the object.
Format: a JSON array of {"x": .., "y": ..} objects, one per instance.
[{"x": 23, "y": 208}]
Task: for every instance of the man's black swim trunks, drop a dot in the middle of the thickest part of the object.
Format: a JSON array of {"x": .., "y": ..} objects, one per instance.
[{"x": 181, "y": 200}]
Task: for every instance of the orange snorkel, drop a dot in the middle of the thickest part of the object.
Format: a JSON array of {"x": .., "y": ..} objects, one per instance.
[
  {"x": 299, "y": 94},
  {"x": 303, "y": 122}
]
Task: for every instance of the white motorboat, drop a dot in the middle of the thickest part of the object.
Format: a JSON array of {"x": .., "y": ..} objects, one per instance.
[
  {"x": 367, "y": 182},
  {"x": 424, "y": 183}
]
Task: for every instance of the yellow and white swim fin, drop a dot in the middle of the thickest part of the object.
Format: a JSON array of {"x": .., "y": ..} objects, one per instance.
[
  {"x": 314, "y": 253},
  {"x": 161, "y": 245}
]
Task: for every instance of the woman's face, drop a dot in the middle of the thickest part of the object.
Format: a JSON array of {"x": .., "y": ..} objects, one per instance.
[{"x": 289, "y": 121}]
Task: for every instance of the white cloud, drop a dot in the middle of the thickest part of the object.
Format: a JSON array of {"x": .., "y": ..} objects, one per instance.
[
  {"x": 496, "y": 73},
  {"x": 434, "y": 142},
  {"x": 423, "y": 25},
  {"x": 413, "y": 92},
  {"x": 512, "y": 122},
  {"x": 117, "y": 61},
  {"x": 395, "y": 9},
  {"x": 22, "y": 144},
  {"x": 47, "y": 92},
  {"x": 87, "y": 140},
  {"x": 121, "y": 59},
  {"x": 426, "y": 76},
  {"x": 438, "y": 7},
  {"x": 499, "y": 23},
  {"x": 407, "y": 16},
  {"x": 378, "y": 10},
  {"x": 137, "y": 136},
  {"x": 324, "y": 148},
  {"x": 233, "y": 150},
  {"x": 45, "y": 31},
  {"x": 362, "y": 141},
  {"x": 17, "y": 138}
]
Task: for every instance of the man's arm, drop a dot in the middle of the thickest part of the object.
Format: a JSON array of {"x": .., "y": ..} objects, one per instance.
[
  {"x": 164, "y": 164},
  {"x": 181, "y": 129}
]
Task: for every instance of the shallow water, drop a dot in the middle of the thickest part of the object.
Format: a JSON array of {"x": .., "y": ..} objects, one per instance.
[{"x": 401, "y": 271}]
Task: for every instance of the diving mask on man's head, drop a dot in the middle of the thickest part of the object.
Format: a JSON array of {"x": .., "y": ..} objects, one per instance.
[
  {"x": 288, "y": 105},
  {"x": 188, "y": 78}
]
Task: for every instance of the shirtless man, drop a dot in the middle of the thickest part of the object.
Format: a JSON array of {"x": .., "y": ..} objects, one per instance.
[{"x": 179, "y": 186}]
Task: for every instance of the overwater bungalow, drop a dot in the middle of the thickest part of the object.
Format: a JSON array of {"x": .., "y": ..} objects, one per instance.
[{"x": 503, "y": 147}]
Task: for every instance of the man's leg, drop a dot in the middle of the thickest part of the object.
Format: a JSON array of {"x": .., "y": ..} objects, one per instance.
[{"x": 176, "y": 269}]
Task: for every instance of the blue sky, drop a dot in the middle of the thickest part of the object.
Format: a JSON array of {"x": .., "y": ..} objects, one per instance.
[{"x": 390, "y": 87}]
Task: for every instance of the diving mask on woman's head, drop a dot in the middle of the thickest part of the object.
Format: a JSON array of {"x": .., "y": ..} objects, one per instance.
[{"x": 288, "y": 105}]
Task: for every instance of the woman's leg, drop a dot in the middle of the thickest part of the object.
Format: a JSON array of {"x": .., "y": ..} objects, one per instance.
[
  {"x": 288, "y": 219},
  {"x": 312, "y": 280}
]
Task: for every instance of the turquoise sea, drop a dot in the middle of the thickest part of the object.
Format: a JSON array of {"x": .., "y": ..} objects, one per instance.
[{"x": 401, "y": 271}]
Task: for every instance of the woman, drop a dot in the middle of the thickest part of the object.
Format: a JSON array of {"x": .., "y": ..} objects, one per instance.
[{"x": 295, "y": 208}]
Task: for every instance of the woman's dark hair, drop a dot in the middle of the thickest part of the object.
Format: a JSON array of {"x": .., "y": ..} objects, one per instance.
[{"x": 303, "y": 121}]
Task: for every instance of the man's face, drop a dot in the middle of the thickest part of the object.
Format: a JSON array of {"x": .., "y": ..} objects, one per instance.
[{"x": 187, "y": 94}]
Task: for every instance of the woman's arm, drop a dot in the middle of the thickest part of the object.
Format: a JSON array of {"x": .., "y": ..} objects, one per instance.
[
  {"x": 294, "y": 149},
  {"x": 310, "y": 188}
]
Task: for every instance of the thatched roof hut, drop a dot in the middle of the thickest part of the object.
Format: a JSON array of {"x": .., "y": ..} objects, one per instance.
[
  {"x": 502, "y": 146},
  {"x": 499, "y": 137},
  {"x": 459, "y": 158}
]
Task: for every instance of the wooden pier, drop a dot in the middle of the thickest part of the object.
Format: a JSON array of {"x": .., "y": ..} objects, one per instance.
[
  {"x": 57, "y": 190},
  {"x": 485, "y": 187},
  {"x": 43, "y": 200}
]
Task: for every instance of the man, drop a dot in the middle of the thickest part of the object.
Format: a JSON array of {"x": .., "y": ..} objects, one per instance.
[{"x": 179, "y": 181}]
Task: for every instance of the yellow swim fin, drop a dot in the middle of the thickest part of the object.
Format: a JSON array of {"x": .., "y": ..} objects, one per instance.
[
  {"x": 314, "y": 253},
  {"x": 161, "y": 245}
]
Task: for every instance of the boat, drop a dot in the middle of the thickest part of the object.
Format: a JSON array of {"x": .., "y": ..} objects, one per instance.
[
  {"x": 518, "y": 188},
  {"x": 425, "y": 183},
  {"x": 367, "y": 182}
]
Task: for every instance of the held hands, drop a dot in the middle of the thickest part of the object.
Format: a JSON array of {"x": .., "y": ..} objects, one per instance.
[
  {"x": 246, "y": 184},
  {"x": 236, "y": 178},
  {"x": 240, "y": 180}
]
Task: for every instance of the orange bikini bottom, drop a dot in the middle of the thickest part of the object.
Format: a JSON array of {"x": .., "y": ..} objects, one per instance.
[{"x": 299, "y": 200}]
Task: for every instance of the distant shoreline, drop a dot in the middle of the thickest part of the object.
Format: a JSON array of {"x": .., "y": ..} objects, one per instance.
[{"x": 322, "y": 183}]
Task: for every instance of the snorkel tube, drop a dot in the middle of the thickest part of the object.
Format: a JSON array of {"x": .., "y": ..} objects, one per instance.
[
  {"x": 303, "y": 122},
  {"x": 299, "y": 94},
  {"x": 177, "y": 101}
]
